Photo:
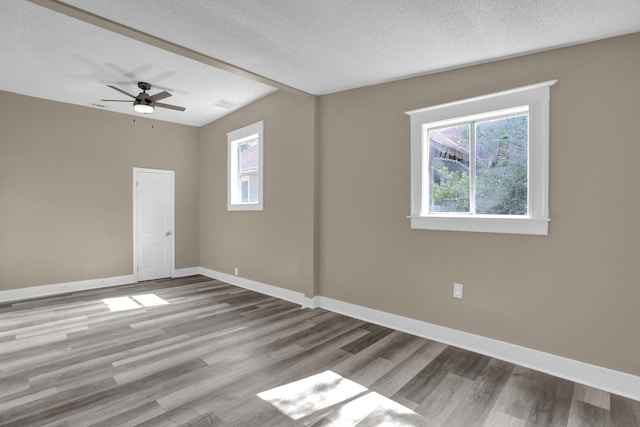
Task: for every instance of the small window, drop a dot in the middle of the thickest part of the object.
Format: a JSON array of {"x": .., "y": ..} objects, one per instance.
[
  {"x": 481, "y": 164},
  {"x": 245, "y": 165}
]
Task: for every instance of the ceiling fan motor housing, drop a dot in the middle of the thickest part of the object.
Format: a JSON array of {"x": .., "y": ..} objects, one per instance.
[
  {"x": 143, "y": 102},
  {"x": 143, "y": 98}
]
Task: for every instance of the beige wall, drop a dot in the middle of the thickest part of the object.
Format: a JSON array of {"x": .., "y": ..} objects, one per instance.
[
  {"x": 575, "y": 292},
  {"x": 337, "y": 197},
  {"x": 66, "y": 189},
  {"x": 274, "y": 246}
]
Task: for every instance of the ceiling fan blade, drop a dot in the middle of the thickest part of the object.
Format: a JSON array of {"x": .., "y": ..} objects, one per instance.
[
  {"x": 169, "y": 106},
  {"x": 115, "y": 100},
  {"x": 160, "y": 95},
  {"x": 121, "y": 91}
]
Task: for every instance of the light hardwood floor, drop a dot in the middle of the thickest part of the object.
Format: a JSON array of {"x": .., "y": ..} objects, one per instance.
[{"x": 216, "y": 354}]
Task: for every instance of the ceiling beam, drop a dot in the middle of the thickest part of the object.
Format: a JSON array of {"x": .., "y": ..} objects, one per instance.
[{"x": 151, "y": 40}]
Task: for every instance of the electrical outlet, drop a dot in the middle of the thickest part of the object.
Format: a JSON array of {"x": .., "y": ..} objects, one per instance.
[
  {"x": 235, "y": 271},
  {"x": 458, "y": 288}
]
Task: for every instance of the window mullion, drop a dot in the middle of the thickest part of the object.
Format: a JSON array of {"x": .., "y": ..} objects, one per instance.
[{"x": 472, "y": 168}]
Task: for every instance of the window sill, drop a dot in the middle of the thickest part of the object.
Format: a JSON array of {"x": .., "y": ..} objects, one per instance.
[
  {"x": 483, "y": 224},
  {"x": 245, "y": 207}
]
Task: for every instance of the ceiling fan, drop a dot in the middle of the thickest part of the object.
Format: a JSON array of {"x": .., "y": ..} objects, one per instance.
[{"x": 145, "y": 103}]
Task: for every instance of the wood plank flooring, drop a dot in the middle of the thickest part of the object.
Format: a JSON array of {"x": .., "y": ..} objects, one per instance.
[{"x": 217, "y": 355}]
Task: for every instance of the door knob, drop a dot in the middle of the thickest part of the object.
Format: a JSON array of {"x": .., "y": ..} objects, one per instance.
[{"x": 168, "y": 233}]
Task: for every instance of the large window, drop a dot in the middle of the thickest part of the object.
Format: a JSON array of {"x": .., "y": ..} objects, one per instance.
[
  {"x": 245, "y": 150},
  {"x": 481, "y": 164}
]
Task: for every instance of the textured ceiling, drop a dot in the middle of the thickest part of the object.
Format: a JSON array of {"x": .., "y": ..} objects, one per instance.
[
  {"x": 315, "y": 46},
  {"x": 52, "y": 56}
]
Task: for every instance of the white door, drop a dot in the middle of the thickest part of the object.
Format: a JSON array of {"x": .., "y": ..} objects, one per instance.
[{"x": 153, "y": 223}]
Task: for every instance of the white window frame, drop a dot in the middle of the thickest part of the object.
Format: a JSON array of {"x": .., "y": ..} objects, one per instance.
[
  {"x": 535, "y": 99},
  {"x": 234, "y": 188}
]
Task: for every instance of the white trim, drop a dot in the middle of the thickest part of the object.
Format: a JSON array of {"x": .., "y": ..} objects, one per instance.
[
  {"x": 172, "y": 256},
  {"x": 183, "y": 272},
  {"x": 263, "y": 288},
  {"x": 516, "y": 90},
  {"x": 606, "y": 379},
  {"x": 616, "y": 382},
  {"x": 479, "y": 223},
  {"x": 533, "y": 98},
  {"x": 81, "y": 285},
  {"x": 245, "y": 207},
  {"x": 63, "y": 288},
  {"x": 234, "y": 138}
]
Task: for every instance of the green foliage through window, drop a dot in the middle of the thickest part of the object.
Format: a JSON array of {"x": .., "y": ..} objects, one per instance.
[{"x": 500, "y": 182}]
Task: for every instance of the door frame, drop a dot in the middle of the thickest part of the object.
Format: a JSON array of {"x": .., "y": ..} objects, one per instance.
[{"x": 172, "y": 244}]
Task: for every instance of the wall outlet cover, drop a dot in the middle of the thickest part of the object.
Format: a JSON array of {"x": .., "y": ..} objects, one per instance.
[{"x": 458, "y": 289}]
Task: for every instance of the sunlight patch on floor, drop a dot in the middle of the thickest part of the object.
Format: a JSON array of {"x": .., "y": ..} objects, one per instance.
[
  {"x": 343, "y": 402},
  {"x": 149, "y": 300},
  {"x": 133, "y": 302},
  {"x": 306, "y": 396},
  {"x": 386, "y": 411}
]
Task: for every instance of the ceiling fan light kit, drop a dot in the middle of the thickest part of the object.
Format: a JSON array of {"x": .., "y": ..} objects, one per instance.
[
  {"x": 142, "y": 108},
  {"x": 145, "y": 103}
]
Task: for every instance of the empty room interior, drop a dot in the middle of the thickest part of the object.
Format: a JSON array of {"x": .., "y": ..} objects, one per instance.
[{"x": 299, "y": 213}]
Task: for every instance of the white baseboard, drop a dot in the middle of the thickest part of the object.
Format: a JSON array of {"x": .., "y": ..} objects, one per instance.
[
  {"x": 263, "y": 288},
  {"x": 616, "y": 382},
  {"x": 82, "y": 285},
  {"x": 606, "y": 379},
  {"x": 61, "y": 288},
  {"x": 182, "y": 272}
]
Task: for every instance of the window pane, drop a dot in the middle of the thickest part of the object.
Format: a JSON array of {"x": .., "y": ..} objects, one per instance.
[
  {"x": 449, "y": 169},
  {"x": 244, "y": 189},
  {"x": 249, "y": 188},
  {"x": 501, "y": 166},
  {"x": 253, "y": 189},
  {"x": 248, "y": 156}
]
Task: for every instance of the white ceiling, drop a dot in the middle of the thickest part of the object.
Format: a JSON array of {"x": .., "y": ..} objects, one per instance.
[{"x": 314, "y": 46}]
